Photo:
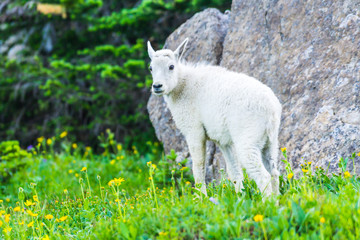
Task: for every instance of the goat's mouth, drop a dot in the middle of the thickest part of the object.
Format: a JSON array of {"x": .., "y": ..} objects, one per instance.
[{"x": 158, "y": 92}]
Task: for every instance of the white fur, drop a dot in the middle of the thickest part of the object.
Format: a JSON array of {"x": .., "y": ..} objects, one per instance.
[{"x": 236, "y": 111}]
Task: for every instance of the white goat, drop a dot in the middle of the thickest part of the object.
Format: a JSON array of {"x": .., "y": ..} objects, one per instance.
[{"x": 236, "y": 111}]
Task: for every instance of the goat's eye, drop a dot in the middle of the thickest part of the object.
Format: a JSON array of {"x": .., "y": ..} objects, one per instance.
[
  {"x": 171, "y": 67},
  {"x": 150, "y": 68}
]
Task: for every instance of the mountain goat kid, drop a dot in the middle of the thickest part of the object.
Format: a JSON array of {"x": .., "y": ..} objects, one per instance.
[{"x": 239, "y": 113}]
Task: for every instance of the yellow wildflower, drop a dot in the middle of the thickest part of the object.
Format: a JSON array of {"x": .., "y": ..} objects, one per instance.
[
  {"x": 83, "y": 169},
  {"x": 259, "y": 218},
  {"x": 154, "y": 166},
  {"x": 187, "y": 183},
  {"x": 347, "y": 174},
  {"x": 46, "y": 237},
  {"x": 1, "y": 223},
  {"x": 49, "y": 217},
  {"x": 76, "y": 175},
  {"x": 31, "y": 213},
  {"x": 71, "y": 171},
  {"x": 40, "y": 139},
  {"x": 283, "y": 149},
  {"x": 7, "y": 199},
  {"x": 31, "y": 224},
  {"x": 49, "y": 141},
  {"x": 112, "y": 162},
  {"x": 29, "y": 203},
  {"x": 116, "y": 181},
  {"x": 111, "y": 142},
  {"x": 322, "y": 220},
  {"x": 149, "y": 163},
  {"x": 63, "y": 218},
  {"x": 63, "y": 134},
  {"x": 304, "y": 170},
  {"x": 1, "y": 201},
  {"x": 358, "y": 154},
  {"x": 163, "y": 233},
  {"x": 7, "y": 230},
  {"x": 136, "y": 152},
  {"x": 17, "y": 209},
  {"x": 119, "y": 147},
  {"x": 87, "y": 148},
  {"x": 74, "y": 146},
  {"x": 66, "y": 191},
  {"x": 21, "y": 223},
  {"x": 7, "y": 218},
  {"x": 183, "y": 168},
  {"x": 290, "y": 175},
  {"x": 36, "y": 199},
  {"x": 309, "y": 163}
]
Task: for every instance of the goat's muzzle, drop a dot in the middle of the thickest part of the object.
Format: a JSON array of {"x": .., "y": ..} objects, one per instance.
[{"x": 157, "y": 89}]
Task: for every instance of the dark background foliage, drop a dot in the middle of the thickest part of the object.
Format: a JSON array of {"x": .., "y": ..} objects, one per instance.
[{"x": 86, "y": 72}]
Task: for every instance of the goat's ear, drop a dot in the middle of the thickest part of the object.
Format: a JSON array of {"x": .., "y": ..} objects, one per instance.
[
  {"x": 151, "y": 51},
  {"x": 181, "y": 49}
]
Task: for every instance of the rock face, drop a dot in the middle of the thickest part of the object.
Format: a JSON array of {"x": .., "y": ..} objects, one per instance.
[
  {"x": 307, "y": 52},
  {"x": 206, "y": 32}
]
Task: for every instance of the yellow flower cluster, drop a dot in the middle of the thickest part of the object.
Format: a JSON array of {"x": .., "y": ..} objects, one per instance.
[
  {"x": 17, "y": 209},
  {"x": 49, "y": 217},
  {"x": 62, "y": 219},
  {"x": 29, "y": 203},
  {"x": 347, "y": 174},
  {"x": 258, "y": 218},
  {"x": 116, "y": 182},
  {"x": 290, "y": 175},
  {"x": 31, "y": 213},
  {"x": 63, "y": 134}
]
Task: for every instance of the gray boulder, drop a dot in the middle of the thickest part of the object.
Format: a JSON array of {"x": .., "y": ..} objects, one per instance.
[{"x": 307, "y": 52}]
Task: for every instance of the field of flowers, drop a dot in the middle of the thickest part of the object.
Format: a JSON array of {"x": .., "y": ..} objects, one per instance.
[{"x": 73, "y": 193}]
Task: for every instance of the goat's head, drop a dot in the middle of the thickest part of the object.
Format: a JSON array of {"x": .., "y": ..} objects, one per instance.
[{"x": 164, "y": 68}]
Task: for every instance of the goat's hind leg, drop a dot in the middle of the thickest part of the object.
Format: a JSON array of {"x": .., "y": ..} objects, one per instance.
[
  {"x": 272, "y": 159},
  {"x": 249, "y": 155},
  {"x": 233, "y": 167}
]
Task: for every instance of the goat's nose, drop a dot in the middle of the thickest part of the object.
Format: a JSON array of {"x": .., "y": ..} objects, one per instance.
[{"x": 157, "y": 86}]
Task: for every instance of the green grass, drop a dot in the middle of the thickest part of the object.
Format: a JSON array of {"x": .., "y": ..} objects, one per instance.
[{"x": 158, "y": 200}]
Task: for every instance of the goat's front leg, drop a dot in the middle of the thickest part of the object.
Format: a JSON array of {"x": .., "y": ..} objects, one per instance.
[{"x": 197, "y": 147}]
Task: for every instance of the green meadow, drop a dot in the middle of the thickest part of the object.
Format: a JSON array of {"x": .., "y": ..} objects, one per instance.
[{"x": 73, "y": 193}]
